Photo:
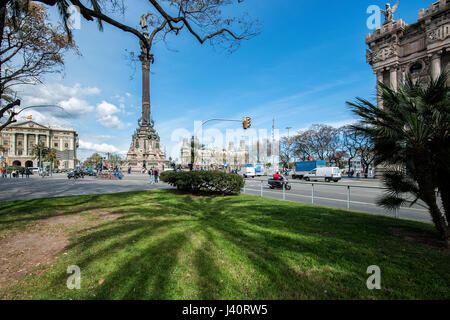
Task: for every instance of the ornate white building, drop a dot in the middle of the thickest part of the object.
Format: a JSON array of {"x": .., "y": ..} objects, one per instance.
[
  {"x": 18, "y": 140},
  {"x": 214, "y": 157},
  {"x": 421, "y": 49}
]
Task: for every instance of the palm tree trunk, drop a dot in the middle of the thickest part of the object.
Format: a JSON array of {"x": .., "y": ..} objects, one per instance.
[
  {"x": 429, "y": 197},
  {"x": 444, "y": 189}
]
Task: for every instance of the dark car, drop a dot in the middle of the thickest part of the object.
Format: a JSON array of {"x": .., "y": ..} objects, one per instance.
[{"x": 90, "y": 173}]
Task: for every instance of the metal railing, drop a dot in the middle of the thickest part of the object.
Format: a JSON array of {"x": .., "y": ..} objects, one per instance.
[{"x": 314, "y": 197}]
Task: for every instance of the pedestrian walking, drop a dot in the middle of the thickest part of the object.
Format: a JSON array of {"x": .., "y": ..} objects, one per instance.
[
  {"x": 156, "y": 172},
  {"x": 27, "y": 172},
  {"x": 4, "y": 173},
  {"x": 150, "y": 173}
]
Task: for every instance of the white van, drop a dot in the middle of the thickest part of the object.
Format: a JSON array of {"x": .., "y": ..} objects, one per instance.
[
  {"x": 247, "y": 172},
  {"x": 327, "y": 173}
]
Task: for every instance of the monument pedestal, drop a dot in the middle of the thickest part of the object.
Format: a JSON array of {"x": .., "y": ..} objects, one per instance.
[{"x": 145, "y": 150}]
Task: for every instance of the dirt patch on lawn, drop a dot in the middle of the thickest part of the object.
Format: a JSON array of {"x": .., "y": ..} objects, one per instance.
[
  {"x": 36, "y": 247},
  {"x": 422, "y": 238},
  {"x": 104, "y": 215}
]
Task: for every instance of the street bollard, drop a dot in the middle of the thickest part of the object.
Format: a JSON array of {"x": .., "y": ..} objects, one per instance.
[
  {"x": 348, "y": 197},
  {"x": 261, "y": 188},
  {"x": 397, "y": 215},
  {"x": 284, "y": 191},
  {"x": 312, "y": 198}
]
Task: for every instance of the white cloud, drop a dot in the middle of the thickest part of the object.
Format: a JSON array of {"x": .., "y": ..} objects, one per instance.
[
  {"x": 53, "y": 93},
  {"x": 75, "y": 107},
  {"x": 103, "y": 147},
  {"x": 69, "y": 98},
  {"x": 106, "y": 108},
  {"x": 106, "y": 117}
]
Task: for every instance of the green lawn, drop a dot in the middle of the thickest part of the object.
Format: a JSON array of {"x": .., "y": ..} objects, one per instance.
[{"x": 169, "y": 246}]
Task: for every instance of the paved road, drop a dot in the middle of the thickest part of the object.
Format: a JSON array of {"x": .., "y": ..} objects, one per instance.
[
  {"x": 332, "y": 195},
  {"x": 335, "y": 195},
  {"x": 58, "y": 185}
]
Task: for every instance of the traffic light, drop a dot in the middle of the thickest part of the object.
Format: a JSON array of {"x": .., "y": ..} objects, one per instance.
[{"x": 246, "y": 122}]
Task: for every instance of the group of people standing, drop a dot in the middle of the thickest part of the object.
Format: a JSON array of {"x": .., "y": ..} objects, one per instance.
[
  {"x": 154, "y": 175},
  {"x": 15, "y": 173}
]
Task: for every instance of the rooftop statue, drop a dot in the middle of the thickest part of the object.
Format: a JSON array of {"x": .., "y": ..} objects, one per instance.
[{"x": 389, "y": 12}]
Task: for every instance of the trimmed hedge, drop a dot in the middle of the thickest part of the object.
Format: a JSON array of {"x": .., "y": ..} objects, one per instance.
[{"x": 206, "y": 182}]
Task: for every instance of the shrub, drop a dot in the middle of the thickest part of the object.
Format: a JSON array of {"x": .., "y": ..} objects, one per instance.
[{"x": 206, "y": 182}]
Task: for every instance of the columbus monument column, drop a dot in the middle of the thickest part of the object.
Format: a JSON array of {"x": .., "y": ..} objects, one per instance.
[{"x": 145, "y": 149}]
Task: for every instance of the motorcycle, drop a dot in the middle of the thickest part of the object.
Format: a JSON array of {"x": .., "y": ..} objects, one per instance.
[
  {"x": 75, "y": 174},
  {"x": 279, "y": 184}
]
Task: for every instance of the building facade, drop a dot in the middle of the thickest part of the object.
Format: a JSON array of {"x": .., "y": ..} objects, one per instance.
[
  {"x": 213, "y": 158},
  {"x": 421, "y": 49},
  {"x": 18, "y": 140}
]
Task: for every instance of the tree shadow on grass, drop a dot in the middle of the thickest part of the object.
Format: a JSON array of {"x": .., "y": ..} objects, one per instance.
[
  {"x": 284, "y": 251},
  {"x": 281, "y": 279}
]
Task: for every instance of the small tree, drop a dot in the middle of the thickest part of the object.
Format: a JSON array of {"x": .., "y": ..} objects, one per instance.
[
  {"x": 411, "y": 136},
  {"x": 365, "y": 151},
  {"x": 93, "y": 160},
  {"x": 320, "y": 141},
  {"x": 350, "y": 142},
  {"x": 286, "y": 147}
]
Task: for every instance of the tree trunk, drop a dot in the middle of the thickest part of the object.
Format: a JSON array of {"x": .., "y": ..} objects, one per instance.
[{"x": 2, "y": 27}]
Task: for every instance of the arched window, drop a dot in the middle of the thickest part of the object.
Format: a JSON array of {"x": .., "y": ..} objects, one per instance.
[{"x": 416, "y": 68}]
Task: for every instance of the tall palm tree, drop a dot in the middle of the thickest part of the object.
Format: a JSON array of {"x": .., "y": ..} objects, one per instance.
[{"x": 411, "y": 136}]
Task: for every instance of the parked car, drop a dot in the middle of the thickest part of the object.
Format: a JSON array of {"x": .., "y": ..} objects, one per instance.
[
  {"x": 90, "y": 173},
  {"x": 327, "y": 173}
]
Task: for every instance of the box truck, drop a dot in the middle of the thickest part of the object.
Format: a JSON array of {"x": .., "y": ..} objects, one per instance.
[
  {"x": 303, "y": 167},
  {"x": 258, "y": 168}
]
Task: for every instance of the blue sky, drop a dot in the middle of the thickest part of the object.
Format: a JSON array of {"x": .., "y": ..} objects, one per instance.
[{"x": 307, "y": 61}]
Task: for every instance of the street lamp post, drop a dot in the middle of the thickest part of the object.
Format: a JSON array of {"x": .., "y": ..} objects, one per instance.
[{"x": 289, "y": 147}]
